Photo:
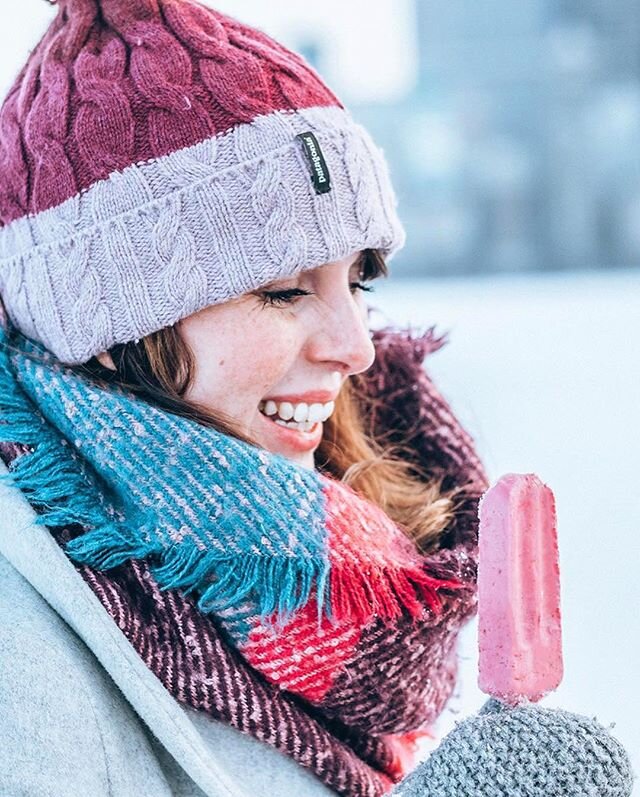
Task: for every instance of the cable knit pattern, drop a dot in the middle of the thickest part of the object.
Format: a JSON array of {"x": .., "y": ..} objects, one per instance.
[
  {"x": 274, "y": 205},
  {"x": 104, "y": 125},
  {"x": 172, "y": 71},
  {"x": 149, "y": 155},
  {"x": 357, "y": 169},
  {"x": 53, "y": 178}
]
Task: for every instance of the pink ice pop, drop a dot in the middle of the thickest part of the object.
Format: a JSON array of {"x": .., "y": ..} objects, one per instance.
[{"x": 519, "y": 631}]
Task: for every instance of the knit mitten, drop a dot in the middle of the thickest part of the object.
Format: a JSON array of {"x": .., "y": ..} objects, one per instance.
[{"x": 527, "y": 751}]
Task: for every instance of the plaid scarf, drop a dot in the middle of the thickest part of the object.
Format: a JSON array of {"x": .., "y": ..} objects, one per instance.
[{"x": 271, "y": 597}]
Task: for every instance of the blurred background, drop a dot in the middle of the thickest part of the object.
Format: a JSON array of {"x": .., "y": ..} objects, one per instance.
[
  {"x": 512, "y": 131},
  {"x": 512, "y": 128}
]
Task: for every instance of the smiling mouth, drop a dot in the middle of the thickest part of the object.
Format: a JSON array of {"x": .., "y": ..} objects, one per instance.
[
  {"x": 301, "y": 417},
  {"x": 291, "y": 435}
]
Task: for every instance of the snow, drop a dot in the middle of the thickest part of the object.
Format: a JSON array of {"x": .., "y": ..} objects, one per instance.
[{"x": 544, "y": 372}]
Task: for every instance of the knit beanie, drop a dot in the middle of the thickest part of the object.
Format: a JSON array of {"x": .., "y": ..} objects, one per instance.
[
  {"x": 157, "y": 157},
  {"x": 526, "y": 751}
]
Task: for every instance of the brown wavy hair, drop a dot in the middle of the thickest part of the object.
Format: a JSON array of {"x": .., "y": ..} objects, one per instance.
[{"x": 159, "y": 368}]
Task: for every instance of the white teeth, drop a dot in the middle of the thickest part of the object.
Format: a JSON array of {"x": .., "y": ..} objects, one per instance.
[
  {"x": 270, "y": 408},
  {"x": 328, "y": 409},
  {"x": 305, "y": 426},
  {"x": 299, "y": 413},
  {"x": 316, "y": 412}
]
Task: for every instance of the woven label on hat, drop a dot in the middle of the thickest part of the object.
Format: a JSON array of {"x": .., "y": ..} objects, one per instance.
[{"x": 317, "y": 164}]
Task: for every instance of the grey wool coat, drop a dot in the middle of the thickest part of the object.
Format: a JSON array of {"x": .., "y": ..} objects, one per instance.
[{"x": 81, "y": 714}]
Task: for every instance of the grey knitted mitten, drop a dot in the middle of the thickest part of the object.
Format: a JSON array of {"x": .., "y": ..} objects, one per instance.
[{"x": 528, "y": 751}]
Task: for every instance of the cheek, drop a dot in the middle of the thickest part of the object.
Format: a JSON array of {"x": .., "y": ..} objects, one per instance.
[
  {"x": 259, "y": 362},
  {"x": 237, "y": 366}
]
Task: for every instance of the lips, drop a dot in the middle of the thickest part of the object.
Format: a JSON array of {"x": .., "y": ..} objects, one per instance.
[
  {"x": 280, "y": 435},
  {"x": 295, "y": 422}
]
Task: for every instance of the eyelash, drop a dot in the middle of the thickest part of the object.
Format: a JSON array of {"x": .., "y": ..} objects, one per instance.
[{"x": 290, "y": 295}]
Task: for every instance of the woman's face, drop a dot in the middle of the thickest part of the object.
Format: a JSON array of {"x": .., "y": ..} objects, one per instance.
[{"x": 262, "y": 357}]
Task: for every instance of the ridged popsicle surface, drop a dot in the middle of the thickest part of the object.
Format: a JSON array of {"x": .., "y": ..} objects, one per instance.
[{"x": 519, "y": 624}]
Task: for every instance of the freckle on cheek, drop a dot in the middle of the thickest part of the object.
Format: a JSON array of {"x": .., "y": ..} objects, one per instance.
[{"x": 221, "y": 362}]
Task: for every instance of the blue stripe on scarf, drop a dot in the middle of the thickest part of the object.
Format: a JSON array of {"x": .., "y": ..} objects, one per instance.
[{"x": 218, "y": 516}]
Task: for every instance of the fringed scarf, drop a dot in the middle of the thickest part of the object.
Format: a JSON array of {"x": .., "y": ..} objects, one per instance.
[{"x": 271, "y": 597}]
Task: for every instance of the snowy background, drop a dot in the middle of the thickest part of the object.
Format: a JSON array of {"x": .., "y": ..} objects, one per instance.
[{"x": 543, "y": 370}]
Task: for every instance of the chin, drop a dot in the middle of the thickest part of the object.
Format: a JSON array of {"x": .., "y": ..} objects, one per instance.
[{"x": 305, "y": 460}]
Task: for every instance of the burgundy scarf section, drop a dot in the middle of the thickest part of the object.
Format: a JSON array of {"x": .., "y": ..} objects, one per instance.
[{"x": 398, "y": 679}]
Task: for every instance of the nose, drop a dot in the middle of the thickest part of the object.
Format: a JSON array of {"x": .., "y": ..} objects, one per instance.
[{"x": 341, "y": 337}]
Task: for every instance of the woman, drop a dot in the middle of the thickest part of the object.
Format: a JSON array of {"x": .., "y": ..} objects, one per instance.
[{"x": 240, "y": 528}]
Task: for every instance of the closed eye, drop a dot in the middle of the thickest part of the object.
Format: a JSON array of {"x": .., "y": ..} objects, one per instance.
[
  {"x": 282, "y": 297},
  {"x": 291, "y": 294},
  {"x": 360, "y": 286}
]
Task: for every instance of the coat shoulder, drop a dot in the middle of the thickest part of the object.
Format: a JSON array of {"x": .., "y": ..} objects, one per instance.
[{"x": 66, "y": 729}]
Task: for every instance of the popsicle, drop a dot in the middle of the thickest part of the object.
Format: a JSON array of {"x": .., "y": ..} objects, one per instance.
[{"x": 519, "y": 628}]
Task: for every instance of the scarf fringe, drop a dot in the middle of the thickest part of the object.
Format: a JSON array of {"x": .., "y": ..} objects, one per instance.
[
  {"x": 59, "y": 488},
  {"x": 384, "y": 592},
  {"x": 276, "y": 586}
]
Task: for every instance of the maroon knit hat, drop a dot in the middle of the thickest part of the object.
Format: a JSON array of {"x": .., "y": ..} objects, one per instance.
[{"x": 156, "y": 157}]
